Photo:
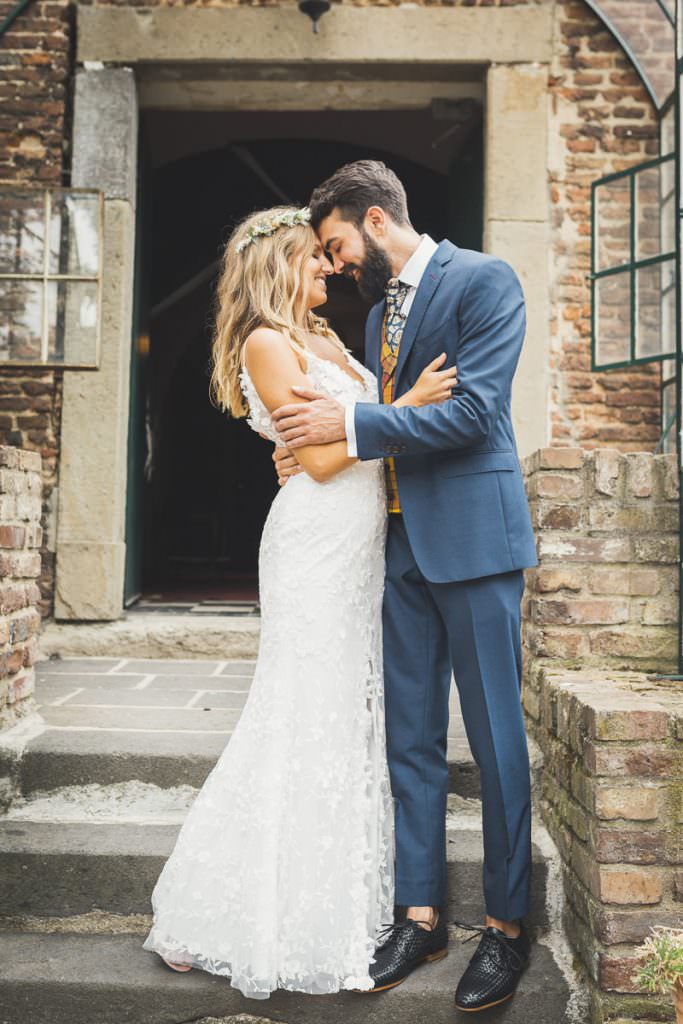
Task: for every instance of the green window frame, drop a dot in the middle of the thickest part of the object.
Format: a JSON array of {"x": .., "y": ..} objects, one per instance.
[{"x": 633, "y": 265}]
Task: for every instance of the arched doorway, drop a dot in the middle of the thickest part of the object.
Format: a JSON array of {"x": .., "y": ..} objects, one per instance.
[{"x": 206, "y": 481}]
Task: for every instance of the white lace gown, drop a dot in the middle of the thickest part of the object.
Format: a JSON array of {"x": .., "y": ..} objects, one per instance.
[{"x": 282, "y": 873}]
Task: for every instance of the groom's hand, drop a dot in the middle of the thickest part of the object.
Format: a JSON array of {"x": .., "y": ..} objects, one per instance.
[{"x": 319, "y": 420}]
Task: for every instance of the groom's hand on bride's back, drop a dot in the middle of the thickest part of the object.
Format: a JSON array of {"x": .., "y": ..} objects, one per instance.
[
  {"x": 318, "y": 420},
  {"x": 286, "y": 465}
]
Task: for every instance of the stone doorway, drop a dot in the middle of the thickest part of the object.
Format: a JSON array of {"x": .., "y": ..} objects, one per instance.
[
  {"x": 205, "y": 482},
  {"x": 159, "y": 62}
]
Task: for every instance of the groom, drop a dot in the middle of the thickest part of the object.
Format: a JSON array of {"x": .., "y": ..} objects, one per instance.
[{"x": 459, "y": 536}]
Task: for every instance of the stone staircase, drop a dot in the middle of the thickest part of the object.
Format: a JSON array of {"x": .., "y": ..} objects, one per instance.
[{"x": 101, "y": 778}]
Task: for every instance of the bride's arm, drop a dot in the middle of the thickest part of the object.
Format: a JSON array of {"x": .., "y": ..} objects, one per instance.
[{"x": 274, "y": 369}]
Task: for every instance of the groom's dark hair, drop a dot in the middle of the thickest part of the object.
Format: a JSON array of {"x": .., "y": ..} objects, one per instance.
[{"x": 354, "y": 188}]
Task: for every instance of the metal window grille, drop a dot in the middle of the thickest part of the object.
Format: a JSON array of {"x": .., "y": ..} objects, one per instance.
[{"x": 633, "y": 265}]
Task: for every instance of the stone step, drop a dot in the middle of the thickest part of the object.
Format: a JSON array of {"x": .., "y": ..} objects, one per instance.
[
  {"x": 55, "y": 868},
  {"x": 156, "y": 634},
  {"x": 158, "y": 721},
  {"x": 102, "y": 979}
]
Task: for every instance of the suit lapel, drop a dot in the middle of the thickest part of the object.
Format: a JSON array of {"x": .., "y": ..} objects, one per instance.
[
  {"x": 373, "y": 342},
  {"x": 425, "y": 292}
]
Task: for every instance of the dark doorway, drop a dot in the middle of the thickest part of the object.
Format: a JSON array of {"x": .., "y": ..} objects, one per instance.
[{"x": 208, "y": 480}]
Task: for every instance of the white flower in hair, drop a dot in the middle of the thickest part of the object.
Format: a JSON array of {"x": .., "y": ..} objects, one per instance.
[{"x": 289, "y": 219}]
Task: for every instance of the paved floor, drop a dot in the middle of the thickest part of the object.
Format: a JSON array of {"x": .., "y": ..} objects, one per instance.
[{"x": 155, "y": 695}]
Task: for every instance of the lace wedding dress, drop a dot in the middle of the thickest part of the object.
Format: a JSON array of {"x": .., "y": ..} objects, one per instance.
[{"x": 282, "y": 873}]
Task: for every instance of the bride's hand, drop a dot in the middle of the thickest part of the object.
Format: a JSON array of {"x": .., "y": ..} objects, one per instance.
[
  {"x": 433, "y": 386},
  {"x": 286, "y": 465}
]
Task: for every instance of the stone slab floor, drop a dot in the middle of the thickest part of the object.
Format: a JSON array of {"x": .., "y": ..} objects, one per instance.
[{"x": 162, "y": 697}]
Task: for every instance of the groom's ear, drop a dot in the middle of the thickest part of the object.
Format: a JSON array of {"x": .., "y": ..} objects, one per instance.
[{"x": 375, "y": 221}]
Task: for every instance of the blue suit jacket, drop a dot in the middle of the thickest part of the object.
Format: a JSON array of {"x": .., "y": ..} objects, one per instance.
[{"x": 460, "y": 486}]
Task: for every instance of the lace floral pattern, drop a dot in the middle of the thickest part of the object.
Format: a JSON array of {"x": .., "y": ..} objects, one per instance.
[{"x": 282, "y": 873}]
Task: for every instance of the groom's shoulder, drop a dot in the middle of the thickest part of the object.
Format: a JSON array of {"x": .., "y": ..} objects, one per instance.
[
  {"x": 459, "y": 261},
  {"x": 464, "y": 265}
]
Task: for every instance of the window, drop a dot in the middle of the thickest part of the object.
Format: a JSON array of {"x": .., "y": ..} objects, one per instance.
[
  {"x": 50, "y": 276},
  {"x": 633, "y": 269}
]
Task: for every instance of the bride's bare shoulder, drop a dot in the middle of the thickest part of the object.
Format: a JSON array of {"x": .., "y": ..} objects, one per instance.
[
  {"x": 264, "y": 339},
  {"x": 266, "y": 345}
]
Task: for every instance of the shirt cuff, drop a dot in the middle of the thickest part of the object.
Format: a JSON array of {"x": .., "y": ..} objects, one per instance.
[{"x": 350, "y": 427}]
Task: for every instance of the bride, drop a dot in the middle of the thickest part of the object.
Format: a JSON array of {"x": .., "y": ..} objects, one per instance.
[{"x": 282, "y": 874}]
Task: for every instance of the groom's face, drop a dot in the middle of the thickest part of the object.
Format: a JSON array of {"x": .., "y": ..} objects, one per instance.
[{"x": 357, "y": 253}]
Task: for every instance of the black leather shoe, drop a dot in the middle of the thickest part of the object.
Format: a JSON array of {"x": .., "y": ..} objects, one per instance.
[
  {"x": 494, "y": 970},
  {"x": 402, "y": 948}
]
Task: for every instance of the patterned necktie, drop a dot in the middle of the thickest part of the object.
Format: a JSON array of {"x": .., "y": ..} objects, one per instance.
[
  {"x": 392, "y": 331},
  {"x": 392, "y": 328}
]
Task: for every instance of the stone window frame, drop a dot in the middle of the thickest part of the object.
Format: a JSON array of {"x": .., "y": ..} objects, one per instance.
[{"x": 47, "y": 276}]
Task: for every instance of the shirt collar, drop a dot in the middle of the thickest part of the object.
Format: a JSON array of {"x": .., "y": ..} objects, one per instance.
[{"x": 412, "y": 272}]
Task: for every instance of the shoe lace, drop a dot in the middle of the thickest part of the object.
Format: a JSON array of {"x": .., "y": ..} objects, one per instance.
[
  {"x": 491, "y": 942},
  {"x": 391, "y": 931}
]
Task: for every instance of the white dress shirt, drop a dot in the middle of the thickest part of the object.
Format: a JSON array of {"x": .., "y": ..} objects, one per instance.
[{"x": 411, "y": 275}]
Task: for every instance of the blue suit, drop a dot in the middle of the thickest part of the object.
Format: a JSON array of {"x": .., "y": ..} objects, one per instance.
[{"x": 454, "y": 574}]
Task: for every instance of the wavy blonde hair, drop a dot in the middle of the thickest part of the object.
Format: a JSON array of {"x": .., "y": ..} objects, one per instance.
[{"x": 261, "y": 286}]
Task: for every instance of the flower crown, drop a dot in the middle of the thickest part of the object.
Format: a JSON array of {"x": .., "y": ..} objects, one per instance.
[{"x": 289, "y": 219}]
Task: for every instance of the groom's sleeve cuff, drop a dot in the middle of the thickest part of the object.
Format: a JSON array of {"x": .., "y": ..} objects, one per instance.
[{"x": 350, "y": 427}]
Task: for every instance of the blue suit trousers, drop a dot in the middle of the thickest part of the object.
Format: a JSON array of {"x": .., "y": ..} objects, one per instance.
[{"x": 471, "y": 627}]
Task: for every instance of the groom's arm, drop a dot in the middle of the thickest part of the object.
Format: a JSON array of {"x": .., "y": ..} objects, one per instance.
[{"x": 492, "y": 325}]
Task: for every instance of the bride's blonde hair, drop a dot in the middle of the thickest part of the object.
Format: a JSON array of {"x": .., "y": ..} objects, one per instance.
[{"x": 260, "y": 286}]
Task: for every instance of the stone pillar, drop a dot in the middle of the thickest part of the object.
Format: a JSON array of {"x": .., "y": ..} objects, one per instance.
[
  {"x": 20, "y": 539},
  {"x": 516, "y": 207},
  {"x": 93, "y": 472}
]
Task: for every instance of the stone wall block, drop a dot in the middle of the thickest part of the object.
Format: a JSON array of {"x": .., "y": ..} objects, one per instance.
[
  {"x": 662, "y": 611},
  {"x": 608, "y": 472},
  {"x": 560, "y": 458},
  {"x": 666, "y": 475},
  {"x": 633, "y": 803},
  {"x": 20, "y": 567},
  {"x": 631, "y": 646},
  {"x": 559, "y": 486},
  {"x": 550, "y": 579},
  {"x": 629, "y": 885},
  {"x": 624, "y": 846},
  {"x": 639, "y": 474},
  {"x": 648, "y": 760}
]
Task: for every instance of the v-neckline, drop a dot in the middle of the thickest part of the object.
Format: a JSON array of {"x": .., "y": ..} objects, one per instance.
[{"x": 353, "y": 376}]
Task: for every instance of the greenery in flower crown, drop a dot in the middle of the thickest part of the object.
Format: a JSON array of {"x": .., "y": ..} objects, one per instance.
[
  {"x": 663, "y": 965},
  {"x": 268, "y": 227}
]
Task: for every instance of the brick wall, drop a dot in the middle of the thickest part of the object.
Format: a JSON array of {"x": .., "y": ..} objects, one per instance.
[
  {"x": 35, "y": 65},
  {"x": 600, "y": 614},
  {"x": 605, "y": 590},
  {"x": 612, "y": 798},
  {"x": 602, "y": 120},
  {"x": 20, "y": 538}
]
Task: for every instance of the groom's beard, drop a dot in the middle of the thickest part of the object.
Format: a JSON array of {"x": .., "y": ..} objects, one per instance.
[{"x": 374, "y": 272}]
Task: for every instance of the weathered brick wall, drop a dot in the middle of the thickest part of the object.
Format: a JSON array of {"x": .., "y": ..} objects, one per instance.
[
  {"x": 605, "y": 590},
  {"x": 600, "y": 606},
  {"x": 20, "y": 539},
  {"x": 612, "y": 798},
  {"x": 35, "y": 65},
  {"x": 602, "y": 120}
]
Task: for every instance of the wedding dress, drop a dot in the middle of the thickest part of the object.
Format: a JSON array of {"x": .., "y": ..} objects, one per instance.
[{"x": 282, "y": 873}]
